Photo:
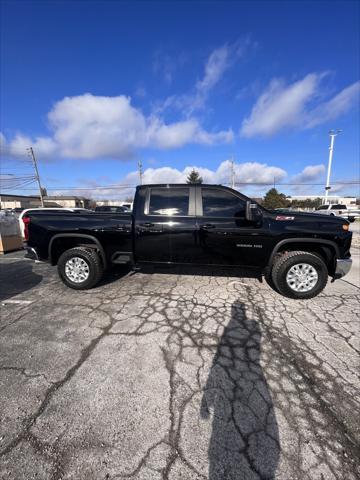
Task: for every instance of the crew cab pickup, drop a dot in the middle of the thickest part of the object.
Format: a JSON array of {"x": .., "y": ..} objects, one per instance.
[
  {"x": 197, "y": 225},
  {"x": 339, "y": 210}
]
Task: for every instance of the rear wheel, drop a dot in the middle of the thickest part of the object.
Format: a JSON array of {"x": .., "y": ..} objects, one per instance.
[
  {"x": 299, "y": 275},
  {"x": 80, "y": 268}
]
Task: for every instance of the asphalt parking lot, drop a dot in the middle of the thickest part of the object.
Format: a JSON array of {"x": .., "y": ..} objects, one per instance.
[{"x": 172, "y": 374}]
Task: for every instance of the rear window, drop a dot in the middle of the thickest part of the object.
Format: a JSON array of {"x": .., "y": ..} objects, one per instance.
[
  {"x": 169, "y": 201},
  {"x": 338, "y": 207},
  {"x": 110, "y": 209}
]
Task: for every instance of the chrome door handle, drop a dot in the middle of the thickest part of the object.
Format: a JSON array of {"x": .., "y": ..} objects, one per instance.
[
  {"x": 146, "y": 224},
  {"x": 207, "y": 226}
]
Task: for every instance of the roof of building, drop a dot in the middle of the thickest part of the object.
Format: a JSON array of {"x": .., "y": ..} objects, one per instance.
[
  {"x": 63, "y": 197},
  {"x": 19, "y": 196}
]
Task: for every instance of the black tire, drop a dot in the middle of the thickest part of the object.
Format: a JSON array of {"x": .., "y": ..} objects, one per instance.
[
  {"x": 268, "y": 274},
  {"x": 94, "y": 268},
  {"x": 288, "y": 260}
]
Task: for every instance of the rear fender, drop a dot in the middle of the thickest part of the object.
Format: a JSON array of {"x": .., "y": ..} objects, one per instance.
[{"x": 92, "y": 242}]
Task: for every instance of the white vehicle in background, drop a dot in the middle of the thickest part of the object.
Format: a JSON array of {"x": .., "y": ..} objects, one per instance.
[
  {"x": 339, "y": 210},
  {"x": 27, "y": 214}
]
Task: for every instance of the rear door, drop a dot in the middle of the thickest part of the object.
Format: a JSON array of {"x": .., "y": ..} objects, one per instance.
[
  {"x": 164, "y": 228},
  {"x": 225, "y": 237}
]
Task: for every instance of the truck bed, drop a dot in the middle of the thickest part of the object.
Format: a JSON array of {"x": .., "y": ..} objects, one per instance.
[{"x": 113, "y": 231}]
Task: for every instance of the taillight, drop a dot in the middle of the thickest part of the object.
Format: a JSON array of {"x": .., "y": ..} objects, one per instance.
[{"x": 26, "y": 221}]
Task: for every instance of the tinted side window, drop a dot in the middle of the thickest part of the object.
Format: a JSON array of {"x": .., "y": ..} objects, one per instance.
[
  {"x": 337, "y": 207},
  {"x": 169, "y": 201},
  {"x": 219, "y": 203}
]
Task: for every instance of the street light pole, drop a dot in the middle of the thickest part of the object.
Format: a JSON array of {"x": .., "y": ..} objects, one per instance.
[
  {"x": 140, "y": 170},
  {"x": 232, "y": 172},
  {"x": 332, "y": 135}
]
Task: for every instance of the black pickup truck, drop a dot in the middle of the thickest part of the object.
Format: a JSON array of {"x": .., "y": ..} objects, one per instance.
[{"x": 197, "y": 225}]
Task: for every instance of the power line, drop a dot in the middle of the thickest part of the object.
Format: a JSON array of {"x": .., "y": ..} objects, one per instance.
[
  {"x": 133, "y": 185},
  {"x": 18, "y": 185}
]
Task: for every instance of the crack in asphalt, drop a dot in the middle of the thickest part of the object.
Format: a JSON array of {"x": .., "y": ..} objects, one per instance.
[{"x": 243, "y": 388}]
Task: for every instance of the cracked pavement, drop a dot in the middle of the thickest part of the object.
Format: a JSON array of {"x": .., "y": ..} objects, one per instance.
[{"x": 172, "y": 374}]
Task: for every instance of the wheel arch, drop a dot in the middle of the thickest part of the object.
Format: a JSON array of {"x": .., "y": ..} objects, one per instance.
[
  {"x": 70, "y": 240},
  {"x": 327, "y": 249}
]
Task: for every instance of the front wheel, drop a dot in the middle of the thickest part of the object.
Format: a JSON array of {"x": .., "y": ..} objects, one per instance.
[
  {"x": 300, "y": 275},
  {"x": 80, "y": 268}
]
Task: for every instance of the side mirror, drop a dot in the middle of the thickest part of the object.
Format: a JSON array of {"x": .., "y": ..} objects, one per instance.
[{"x": 253, "y": 212}]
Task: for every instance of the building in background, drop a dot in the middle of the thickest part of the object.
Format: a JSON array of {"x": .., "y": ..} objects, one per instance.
[
  {"x": 19, "y": 201},
  {"x": 28, "y": 201},
  {"x": 68, "y": 201},
  {"x": 332, "y": 199}
]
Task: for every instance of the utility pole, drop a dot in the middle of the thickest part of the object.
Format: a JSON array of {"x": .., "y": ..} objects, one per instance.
[
  {"x": 140, "y": 171},
  {"x": 32, "y": 156},
  {"x": 332, "y": 135},
  {"x": 232, "y": 172}
]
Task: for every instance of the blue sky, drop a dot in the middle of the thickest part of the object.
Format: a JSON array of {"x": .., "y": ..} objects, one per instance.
[{"x": 96, "y": 86}]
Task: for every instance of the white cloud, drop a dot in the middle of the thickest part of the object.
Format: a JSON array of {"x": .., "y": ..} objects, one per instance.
[
  {"x": 218, "y": 62},
  {"x": 288, "y": 106},
  {"x": 89, "y": 126},
  {"x": 166, "y": 65},
  {"x": 18, "y": 145},
  {"x": 279, "y": 106},
  {"x": 140, "y": 91},
  {"x": 214, "y": 68},
  {"x": 244, "y": 173},
  {"x": 340, "y": 104},
  {"x": 309, "y": 174},
  {"x": 252, "y": 178}
]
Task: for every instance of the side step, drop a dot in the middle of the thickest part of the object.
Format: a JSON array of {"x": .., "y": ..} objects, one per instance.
[{"x": 120, "y": 258}]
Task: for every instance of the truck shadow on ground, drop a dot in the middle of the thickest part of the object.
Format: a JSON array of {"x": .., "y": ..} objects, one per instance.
[
  {"x": 245, "y": 437},
  {"x": 17, "y": 277}
]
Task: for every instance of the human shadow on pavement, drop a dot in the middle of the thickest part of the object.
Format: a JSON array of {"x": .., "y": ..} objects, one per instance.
[
  {"x": 17, "y": 277},
  {"x": 244, "y": 442}
]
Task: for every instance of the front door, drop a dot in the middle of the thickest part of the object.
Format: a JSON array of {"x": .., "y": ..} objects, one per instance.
[{"x": 225, "y": 237}]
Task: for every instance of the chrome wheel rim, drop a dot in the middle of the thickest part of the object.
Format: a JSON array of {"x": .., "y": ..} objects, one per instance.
[
  {"x": 302, "y": 277},
  {"x": 77, "y": 270}
]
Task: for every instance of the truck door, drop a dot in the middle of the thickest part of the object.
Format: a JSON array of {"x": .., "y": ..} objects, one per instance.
[
  {"x": 164, "y": 230},
  {"x": 225, "y": 237}
]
